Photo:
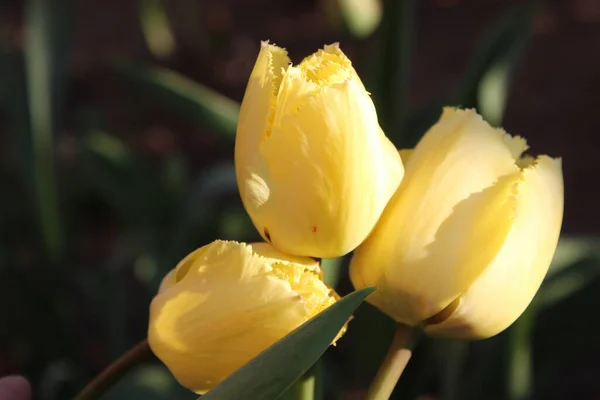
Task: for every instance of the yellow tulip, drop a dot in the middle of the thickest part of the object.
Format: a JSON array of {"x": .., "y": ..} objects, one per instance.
[
  {"x": 225, "y": 303},
  {"x": 467, "y": 239},
  {"x": 314, "y": 168}
]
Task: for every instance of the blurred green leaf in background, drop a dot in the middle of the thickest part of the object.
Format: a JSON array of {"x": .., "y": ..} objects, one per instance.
[
  {"x": 92, "y": 217},
  {"x": 191, "y": 100},
  {"x": 45, "y": 64}
]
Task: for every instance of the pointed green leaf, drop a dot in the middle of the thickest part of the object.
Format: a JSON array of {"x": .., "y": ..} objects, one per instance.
[
  {"x": 45, "y": 66},
  {"x": 489, "y": 73},
  {"x": 200, "y": 104},
  {"x": 269, "y": 374},
  {"x": 576, "y": 265},
  {"x": 488, "y": 77}
]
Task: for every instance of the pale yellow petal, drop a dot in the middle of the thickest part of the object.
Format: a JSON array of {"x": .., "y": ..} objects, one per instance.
[
  {"x": 201, "y": 343},
  {"x": 331, "y": 164},
  {"x": 416, "y": 254},
  {"x": 503, "y": 291},
  {"x": 315, "y": 180},
  {"x": 256, "y": 114},
  {"x": 329, "y": 66},
  {"x": 274, "y": 255},
  {"x": 225, "y": 303},
  {"x": 167, "y": 281}
]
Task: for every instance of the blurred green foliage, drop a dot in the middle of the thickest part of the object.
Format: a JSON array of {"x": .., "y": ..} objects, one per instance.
[{"x": 62, "y": 311}]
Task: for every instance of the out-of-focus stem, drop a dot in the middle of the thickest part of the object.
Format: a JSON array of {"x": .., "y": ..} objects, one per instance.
[
  {"x": 104, "y": 381},
  {"x": 520, "y": 374},
  {"x": 304, "y": 388},
  {"x": 393, "y": 365}
]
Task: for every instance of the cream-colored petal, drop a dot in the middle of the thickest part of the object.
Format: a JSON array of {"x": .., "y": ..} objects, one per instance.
[
  {"x": 417, "y": 254},
  {"x": 503, "y": 291},
  {"x": 274, "y": 255},
  {"x": 315, "y": 180},
  {"x": 167, "y": 281},
  {"x": 257, "y": 111},
  {"x": 331, "y": 171},
  {"x": 329, "y": 66},
  {"x": 225, "y": 303},
  {"x": 205, "y": 330}
]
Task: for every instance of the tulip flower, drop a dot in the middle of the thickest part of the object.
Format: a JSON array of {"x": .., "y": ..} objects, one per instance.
[
  {"x": 225, "y": 303},
  {"x": 314, "y": 168},
  {"x": 467, "y": 239}
]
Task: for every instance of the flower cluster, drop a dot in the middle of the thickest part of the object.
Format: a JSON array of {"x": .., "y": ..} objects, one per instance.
[{"x": 456, "y": 234}]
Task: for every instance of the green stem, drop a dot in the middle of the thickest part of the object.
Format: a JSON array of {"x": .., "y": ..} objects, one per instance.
[
  {"x": 393, "y": 365},
  {"x": 520, "y": 374},
  {"x": 107, "y": 378},
  {"x": 456, "y": 352},
  {"x": 304, "y": 389}
]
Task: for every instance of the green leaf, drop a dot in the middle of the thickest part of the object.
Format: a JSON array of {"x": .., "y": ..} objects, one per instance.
[
  {"x": 565, "y": 335},
  {"x": 487, "y": 81},
  {"x": 572, "y": 250},
  {"x": 45, "y": 62},
  {"x": 198, "y": 103},
  {"x": 269, "y": 374},
  {"x": 109, "y": 167},
  {"x": 489, "y": 73},
  {"x": 15, "y": 110},
  {"x": 576, "y": 265},
  {"x": 520, "y": 352},
  {"x": 4, "y": 70}
]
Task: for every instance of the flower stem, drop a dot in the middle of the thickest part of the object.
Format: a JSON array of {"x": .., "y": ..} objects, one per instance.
[
  {"x": 520, "y": 374},
  {"x": 305, "y": 387},
  {"x": 393, "y": 365},
  {"x": 104, "y": 381}
]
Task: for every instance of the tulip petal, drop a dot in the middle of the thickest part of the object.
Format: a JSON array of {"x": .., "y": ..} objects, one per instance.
[
  {"x": 446, "y": 200},
  {"x": 256, "y": 116},
  {"x": 203, "y": 348},
  {"x": 319, "y": 175},
  {"x": 225, "y": 303},
  {"x": 327, "y": 67},
  {"x": 506, "y": 287},
  {"x": 330, "y": 172}
]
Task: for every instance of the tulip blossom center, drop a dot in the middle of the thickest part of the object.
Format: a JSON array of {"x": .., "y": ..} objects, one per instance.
[
  {"x": 304, "y": 279},
  {"x": 326, "y": 67}
]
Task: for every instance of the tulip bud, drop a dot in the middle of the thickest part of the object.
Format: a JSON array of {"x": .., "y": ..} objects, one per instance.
[
  {"x": 314, "y": 168},
  {"x": 467, "y": 239},
  {"x": 225, "y": 303}
]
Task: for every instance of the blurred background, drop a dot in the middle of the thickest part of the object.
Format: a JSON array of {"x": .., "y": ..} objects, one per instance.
[{"x": 117, "y": 121}]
